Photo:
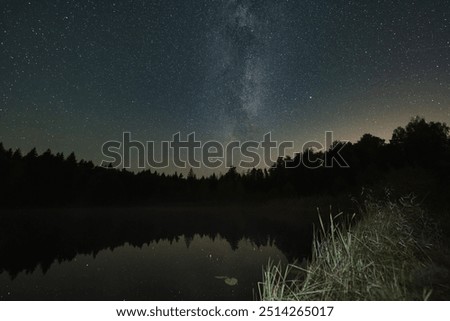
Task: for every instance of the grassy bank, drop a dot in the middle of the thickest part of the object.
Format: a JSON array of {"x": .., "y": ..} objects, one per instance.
[{"x": 388, "y": 252}]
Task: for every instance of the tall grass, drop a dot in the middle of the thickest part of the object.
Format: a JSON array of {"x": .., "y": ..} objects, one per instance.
[{"x": 381, "y": 255}]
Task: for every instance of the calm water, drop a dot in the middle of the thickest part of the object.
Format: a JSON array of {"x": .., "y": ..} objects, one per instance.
[{"x": 141, "y": 254}]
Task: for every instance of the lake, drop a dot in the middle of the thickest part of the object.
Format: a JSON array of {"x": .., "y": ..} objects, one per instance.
[{"x": 175, "y": 253}]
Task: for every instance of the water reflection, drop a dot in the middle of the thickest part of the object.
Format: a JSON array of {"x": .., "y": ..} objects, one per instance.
[
  {"x": 137, "y": 255},
  {"x": 159, "y": 271}
]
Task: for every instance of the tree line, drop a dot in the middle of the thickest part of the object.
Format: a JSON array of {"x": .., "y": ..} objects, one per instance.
[{"x": 417, "y": 158}]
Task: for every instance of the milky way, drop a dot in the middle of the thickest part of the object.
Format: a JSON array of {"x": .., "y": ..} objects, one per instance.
[{"x": 78, "y": 73}]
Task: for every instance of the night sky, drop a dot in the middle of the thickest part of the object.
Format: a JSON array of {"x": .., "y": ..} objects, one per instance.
[{"x": 75, "y": 74}]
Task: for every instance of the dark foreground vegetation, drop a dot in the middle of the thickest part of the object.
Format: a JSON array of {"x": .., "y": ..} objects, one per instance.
[{"x": 393, "y": 252}]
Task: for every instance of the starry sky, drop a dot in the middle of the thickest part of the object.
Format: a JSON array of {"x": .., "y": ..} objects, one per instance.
[{"x": 75, "y": 73}]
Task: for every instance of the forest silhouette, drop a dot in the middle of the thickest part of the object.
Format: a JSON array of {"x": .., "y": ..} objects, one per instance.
[
  {"x": 233, "y": 206},
  {"x": 417, "y": 158}
]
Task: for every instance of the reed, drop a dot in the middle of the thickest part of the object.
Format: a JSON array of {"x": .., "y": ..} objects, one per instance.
[{"x": 380, "y": 255}]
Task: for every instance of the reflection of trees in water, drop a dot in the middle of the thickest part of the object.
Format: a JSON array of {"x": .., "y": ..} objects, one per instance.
[{"x": 39, "y": 238}]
